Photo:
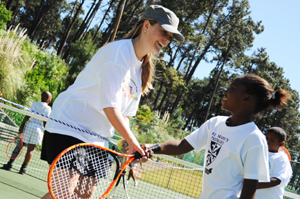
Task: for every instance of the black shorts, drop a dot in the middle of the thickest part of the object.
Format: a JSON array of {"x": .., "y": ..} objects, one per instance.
[{"x": 54, "y": 144}]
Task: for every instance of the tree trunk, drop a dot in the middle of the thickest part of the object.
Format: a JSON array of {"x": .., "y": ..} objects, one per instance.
[
  {"x": 110, "y": 30},
  {"x": 93, "y": 10},
  {"x": 157, "y": 95},
  {"x": 13, "y": 16},
  {"x": 41, "y": 13},
  {"x": 133, "y": 12},
  {"x": 162, "y": 101},
  {"x": 216, "y": 86},
  {"x": 106, "y": 12},
  {"x": 69, "y": 28},
  {"x": 9, "y": 4},
  {"x": 118, "y": 19}
]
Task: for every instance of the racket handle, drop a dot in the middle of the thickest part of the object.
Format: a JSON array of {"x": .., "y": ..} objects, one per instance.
[{"x": 155, "y": 148}]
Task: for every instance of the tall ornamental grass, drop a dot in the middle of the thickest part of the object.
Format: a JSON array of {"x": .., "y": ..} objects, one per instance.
[{"x": 14, "y": 62}]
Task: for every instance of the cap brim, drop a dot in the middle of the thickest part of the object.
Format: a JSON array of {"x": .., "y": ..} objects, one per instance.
[{"x": 176, "y": 34}]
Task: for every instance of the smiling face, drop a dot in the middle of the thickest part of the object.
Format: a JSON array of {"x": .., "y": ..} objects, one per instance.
[
  {"x": 273, "y": 141},
  {"x": 234, "y": 96},
  {"x": 157, "y": 38}
]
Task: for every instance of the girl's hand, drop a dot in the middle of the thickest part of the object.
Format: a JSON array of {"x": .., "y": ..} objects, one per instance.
[{"x": 135, "y": 147}]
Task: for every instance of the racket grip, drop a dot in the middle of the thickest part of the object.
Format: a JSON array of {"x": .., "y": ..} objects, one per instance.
[{"x": 155, "y": 148}]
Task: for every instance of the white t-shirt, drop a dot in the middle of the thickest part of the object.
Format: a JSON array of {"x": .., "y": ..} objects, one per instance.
[
  {"x": 42, "y": 108},
  {"x": 231, "y": 155},
  {"x": 111, "y": 79},
  {"x": 280, "y": 168}
]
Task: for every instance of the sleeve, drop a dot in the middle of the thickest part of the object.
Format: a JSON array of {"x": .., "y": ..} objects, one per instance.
[
  {"x": 256, "y": 160},
  {"x": 198, "y": 139},
  {"x": 110, "y": 79},
  {"x": 282, "y": 171},
  {"x": 132, "y": 109},
  {"x": 48, "y": 111}
]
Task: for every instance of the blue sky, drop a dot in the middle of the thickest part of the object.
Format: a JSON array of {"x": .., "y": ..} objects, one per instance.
[{"x": 281, "y": 37}]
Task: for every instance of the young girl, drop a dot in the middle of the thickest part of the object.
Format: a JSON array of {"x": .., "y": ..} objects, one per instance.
[
  {"x": 108, "y": 90},
  {"x": 235, "y": 149},
  {"x": 280, "y": 167}
]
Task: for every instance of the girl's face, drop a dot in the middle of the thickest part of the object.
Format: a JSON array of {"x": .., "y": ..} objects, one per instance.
[
  {"x": 157, "y": 38},
  {"x": 234, "y": 96},
  {"x": 273, "y": 141}
]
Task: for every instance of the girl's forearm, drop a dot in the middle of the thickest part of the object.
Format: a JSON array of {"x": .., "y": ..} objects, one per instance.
[
  {"x": 249, "y": 189},
  {"x": 175, "y": 147}
]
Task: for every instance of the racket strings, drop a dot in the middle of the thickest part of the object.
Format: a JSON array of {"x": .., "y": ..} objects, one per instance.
[{"x": 82, "y": 172}]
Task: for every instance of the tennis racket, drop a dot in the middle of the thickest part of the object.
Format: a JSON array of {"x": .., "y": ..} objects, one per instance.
[
  {"x": 84, "y": 171},
  {"x": 283, "y": 149},
  {"x": 15, "y": 147},
  {"x": 136, "y": 173}
]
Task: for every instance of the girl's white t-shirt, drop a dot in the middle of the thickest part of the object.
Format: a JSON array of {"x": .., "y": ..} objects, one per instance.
[
  {"x": 112, "y": 78},
  {"x": 231, "y": 155},
  {"x": 281, "y": 169}
]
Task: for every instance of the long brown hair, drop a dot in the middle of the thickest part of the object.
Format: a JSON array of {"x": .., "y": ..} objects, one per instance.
[{"x": 148, "y": 68}]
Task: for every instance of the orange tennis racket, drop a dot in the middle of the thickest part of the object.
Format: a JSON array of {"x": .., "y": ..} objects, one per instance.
[
  {"x": 282, "y": 148},
  {"x": 136, "y": 173},
  {"x": 84, "y": 171},
  {"x": 15, "y": 147}
]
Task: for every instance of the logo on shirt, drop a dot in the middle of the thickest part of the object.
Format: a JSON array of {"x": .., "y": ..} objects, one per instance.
[
  {"x": 216, "y": 144},
  {"x": 129, "y": 88},
  {"x": 213, "y": 152}
]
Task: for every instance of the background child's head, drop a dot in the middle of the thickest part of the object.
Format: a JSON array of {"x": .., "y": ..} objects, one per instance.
[
  {"x": 276, "y": 137},
  {"x": 262, "y": 91},
  {"x": 46, "y": 96}
]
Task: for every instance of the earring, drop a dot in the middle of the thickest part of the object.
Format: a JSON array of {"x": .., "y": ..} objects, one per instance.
[{"x": 145, "y": 30}]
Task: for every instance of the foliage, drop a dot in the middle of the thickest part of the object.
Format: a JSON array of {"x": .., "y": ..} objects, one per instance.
[
  {"x": 152, "y": 129},
  {"x": 144, "y": 113},
  {"x": 5, "y": 15},
  {"x": 80, "y": 54},
  {"x": 48, "y": 74},
  {"x": 15, "y": 61}
]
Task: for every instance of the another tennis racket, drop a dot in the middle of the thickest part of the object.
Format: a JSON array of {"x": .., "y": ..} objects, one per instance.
[
  {"x": 136, "y": 173},
  {"x": 84, "y": 171},
  {"x": 15, "y": 147},
  {"x": 283, "y": 149}
]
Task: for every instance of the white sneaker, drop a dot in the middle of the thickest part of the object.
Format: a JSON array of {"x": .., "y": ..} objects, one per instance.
[
  {"x": 135, "y": 183},
  {"x": 127, "y": 182}
]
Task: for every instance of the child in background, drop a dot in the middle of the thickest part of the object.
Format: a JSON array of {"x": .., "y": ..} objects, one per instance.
[
  {"x": 131, "y": 175},
  {"x": 280, "y": 167},
  {"x": 236, "y": 151},
  {"x": 32, "y": 131}
]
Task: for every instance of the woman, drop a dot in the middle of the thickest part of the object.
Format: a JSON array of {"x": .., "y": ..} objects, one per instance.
[{"x": 107, "y": 92}]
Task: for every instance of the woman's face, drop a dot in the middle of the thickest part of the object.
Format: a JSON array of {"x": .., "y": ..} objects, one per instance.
[{"x": 157, "y": 38}]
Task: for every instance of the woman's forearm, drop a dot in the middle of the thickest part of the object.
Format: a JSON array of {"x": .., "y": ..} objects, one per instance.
[{"x": 120, "y": 123}]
